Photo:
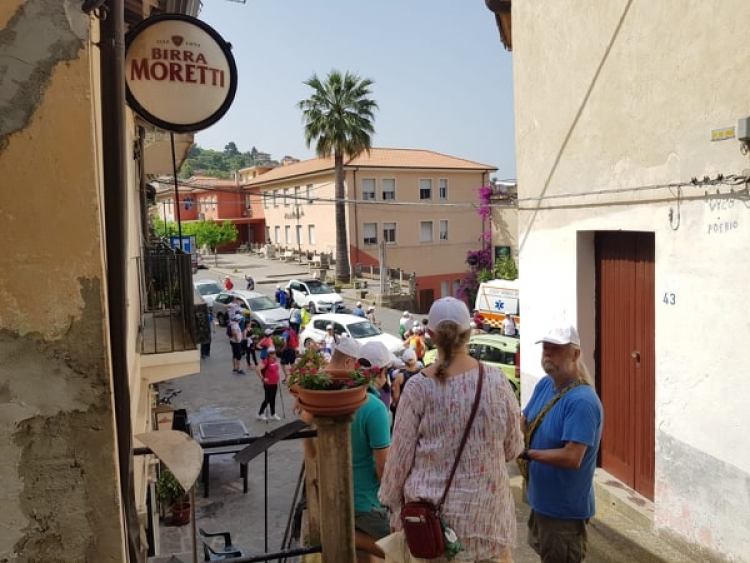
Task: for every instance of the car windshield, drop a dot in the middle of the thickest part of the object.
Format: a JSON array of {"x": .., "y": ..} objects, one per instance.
[
  {"x": 262, "y": 303},
  {"x": 363, "y": 329},
  {"x": 319, "y": 288},
  {"x": 209, "y": 288}
]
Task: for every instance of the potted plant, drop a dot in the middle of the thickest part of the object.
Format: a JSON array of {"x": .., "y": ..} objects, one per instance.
[
  {"x": 172, "y": 495},
  {"x": 325, "y": 392}
]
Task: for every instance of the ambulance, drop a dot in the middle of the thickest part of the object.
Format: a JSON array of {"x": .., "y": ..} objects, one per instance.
[{"x": 496, "y": 299}]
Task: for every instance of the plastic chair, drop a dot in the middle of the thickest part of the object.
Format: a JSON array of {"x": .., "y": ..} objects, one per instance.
[{"x": 211, "y": 553}]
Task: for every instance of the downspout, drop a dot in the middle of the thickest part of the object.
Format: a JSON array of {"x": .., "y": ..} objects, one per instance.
[
  {"x": 114, "y": 149},
  {"x": 356, "y": 224}
]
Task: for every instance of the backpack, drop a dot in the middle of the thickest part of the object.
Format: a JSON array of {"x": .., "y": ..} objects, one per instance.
[{"x": 292, "y": 342}]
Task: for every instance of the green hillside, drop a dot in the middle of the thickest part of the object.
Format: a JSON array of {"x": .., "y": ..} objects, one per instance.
[{"x": 221, "y": 164}]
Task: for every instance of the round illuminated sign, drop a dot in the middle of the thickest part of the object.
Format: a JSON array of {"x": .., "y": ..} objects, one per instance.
[{"x": 179, "y": 72}]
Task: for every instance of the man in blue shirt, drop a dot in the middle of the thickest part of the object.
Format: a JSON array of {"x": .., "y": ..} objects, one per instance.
[
  {"x": 358, "y": 310},
  {"x": 563, "y": 451}
]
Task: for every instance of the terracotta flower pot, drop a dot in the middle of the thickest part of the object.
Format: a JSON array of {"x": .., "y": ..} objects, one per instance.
[
  {"x": 332, "y": 402},
  {"x": 180, "y": 513}
]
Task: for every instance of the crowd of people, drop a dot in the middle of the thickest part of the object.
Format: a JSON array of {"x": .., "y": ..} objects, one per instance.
[{"x": 405, "y": 437}]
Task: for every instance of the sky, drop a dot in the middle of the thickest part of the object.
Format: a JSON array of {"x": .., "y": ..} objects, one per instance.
[{"x": 442, "y": 78}]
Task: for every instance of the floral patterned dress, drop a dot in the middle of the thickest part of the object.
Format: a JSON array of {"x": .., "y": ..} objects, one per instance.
[{"x": 431, "y": 419}]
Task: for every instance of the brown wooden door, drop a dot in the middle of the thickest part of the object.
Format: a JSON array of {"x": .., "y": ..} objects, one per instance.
[
  {"x": 426, "y": 299},
  {"x": 625, "y": 355}
]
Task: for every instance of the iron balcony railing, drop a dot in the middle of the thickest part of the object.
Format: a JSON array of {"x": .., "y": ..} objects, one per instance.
[{"x": 172, "y": 317}]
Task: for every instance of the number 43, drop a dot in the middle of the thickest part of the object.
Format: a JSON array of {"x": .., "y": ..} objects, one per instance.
[{"x": 669, "y": 299}]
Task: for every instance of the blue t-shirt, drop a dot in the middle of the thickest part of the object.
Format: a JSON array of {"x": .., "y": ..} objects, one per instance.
[
  {"x": 358, "y": 312},
  {"x": 558, "y": 492},
  {"x": 371, "y": 430}
]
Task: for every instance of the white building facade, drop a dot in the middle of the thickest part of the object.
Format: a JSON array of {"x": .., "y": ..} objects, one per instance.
[{"x": 634, "y": 224}]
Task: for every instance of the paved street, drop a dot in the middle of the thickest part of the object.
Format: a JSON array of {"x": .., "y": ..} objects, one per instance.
[{"x": 217, "y": 393}]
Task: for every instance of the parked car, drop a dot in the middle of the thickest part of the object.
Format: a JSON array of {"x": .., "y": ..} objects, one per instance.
[
  {"x": 317, "y": 295},
  {"x": 260, "y": 310},
  {"x": 208, "y": 289},
  {"x": 493, "y": 349},
  {"x": 350, "y": 325}
]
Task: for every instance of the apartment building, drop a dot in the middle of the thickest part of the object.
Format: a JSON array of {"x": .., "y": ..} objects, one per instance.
[{"x": 416, "y": 208}]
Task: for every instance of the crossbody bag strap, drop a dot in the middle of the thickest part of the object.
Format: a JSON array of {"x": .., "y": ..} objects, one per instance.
[
  {"x": 538, "y": 420},
  {"x": 473, "y": 415}
]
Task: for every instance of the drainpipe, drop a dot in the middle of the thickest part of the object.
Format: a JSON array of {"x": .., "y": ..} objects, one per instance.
[
  {"x": 356, "y": 224},
  {"x": 114, "y": 148}
]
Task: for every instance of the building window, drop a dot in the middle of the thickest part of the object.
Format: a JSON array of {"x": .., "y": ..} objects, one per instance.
[
  {"x": 286, "y": 197},
  {"x": 268, "y": 234},
  {"x": 276, "y": 198},
  {"x": 443, "y": 229},
  {"x": 389, "y": 232},
  {"x": 425, "y": 231},
  {"x": 311, "y": 234},
  {"x": 443, "y": 188},
  {"x": 309, "y": 189},
  {"x": 456, "y": 286},
  {"x": 298, "y": 228},
  {"x": 425, "y": 189},
  {"x": 370, "y": 233},
  {"x": 445, "y": 288},
  {"x": 368, "y": 189},
  {"x": 277, "y": 234},
  {"x": 287, "y": 234},
  {"x": 265, "y": 200},
  {"x": 296, "y": 196},
  {"x": 214, "y": 204},
  {"x": 389, "y": 188}
]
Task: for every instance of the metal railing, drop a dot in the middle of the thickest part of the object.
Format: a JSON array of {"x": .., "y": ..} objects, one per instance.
[{"x": 168, "y": 302}]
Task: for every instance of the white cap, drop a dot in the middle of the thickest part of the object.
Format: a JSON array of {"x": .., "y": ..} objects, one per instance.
[
  {"x": 376, "y": 353},
  {"x": 329, "y": 327},
  {"x": 359, "y": 304},
  {"x": 371, "y": 308},
  {"x": 449, "y": 309},
  {"x": 406, "y": 314},
  {"x": 348, "y": 346},
  {"x": 268, "y": 331},
  {"x": 562, "y": 335},
  {"x": 417, "y": 323},
  {"x": 409, "y": 355}
]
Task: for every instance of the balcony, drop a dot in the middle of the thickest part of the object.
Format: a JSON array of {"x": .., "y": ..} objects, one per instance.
[{"x": 174, "y": 317}]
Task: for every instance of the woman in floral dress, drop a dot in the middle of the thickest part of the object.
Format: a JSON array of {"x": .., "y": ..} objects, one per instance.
[{"x": 432, "y": 414}]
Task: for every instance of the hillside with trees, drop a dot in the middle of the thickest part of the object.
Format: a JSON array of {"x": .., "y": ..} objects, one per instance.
[{"x": 221, "y": 164}]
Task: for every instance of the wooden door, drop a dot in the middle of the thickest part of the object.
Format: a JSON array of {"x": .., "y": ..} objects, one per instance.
[
  {"x": 625, "y": 355},
  {"x": 426, "y": 299}
]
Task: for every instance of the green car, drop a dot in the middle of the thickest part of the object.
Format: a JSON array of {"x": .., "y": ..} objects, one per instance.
[{"x": 495, "y": 350}]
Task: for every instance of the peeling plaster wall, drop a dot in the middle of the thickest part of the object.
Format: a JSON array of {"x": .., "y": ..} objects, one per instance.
[
  {"x": 58, "y": 474},
  {"x": 623, "y": 94}
]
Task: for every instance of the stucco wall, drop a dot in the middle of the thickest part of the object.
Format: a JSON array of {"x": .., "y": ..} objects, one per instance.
[
  {"x": 58, "y": 480},
  {"x": 621, "y": 97}
]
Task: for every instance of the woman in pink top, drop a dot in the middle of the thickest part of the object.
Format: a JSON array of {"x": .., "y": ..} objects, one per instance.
[
  {"x": 269, "y": 375},
  {"x": 432, "y": 412}
]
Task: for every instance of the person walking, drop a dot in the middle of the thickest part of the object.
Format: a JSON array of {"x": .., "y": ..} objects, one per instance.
[
  {"x": 411, "y": 368},
  {"x": 251, "y": 342},
  {"x": 371, "y": 315},
  {"x": 357, "y": 311},
  {"x": 235, "y": 341},
  {"x": 403, "y": 325},
  {"x": 509, "y": 326},
  {"x": 295, "y": 317},
  {"x": 564, "y": 445},
  {"x": 269, "y": 376},
  {"x": 206, "y": 346},
  {"x": 228, "y": 283},
  {"x": 432, "y": 414},
  {"x": 249, "y": 283},
  {"x": 305, "y": 316}
]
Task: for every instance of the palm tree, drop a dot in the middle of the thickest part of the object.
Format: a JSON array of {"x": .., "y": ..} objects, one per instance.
[{"x": 338, "y": 117}]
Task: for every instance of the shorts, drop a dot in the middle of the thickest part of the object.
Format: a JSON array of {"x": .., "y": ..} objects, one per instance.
[
  {"x": 288, "y": 356},
  {"x": 374, "y": 523},
  {"x": 556, "y": 540},
  {"x": 236, "y": 350}
]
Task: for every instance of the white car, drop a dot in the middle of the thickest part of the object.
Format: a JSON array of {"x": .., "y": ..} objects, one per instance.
[
  {"x": 356, "y": 327},
  {"x": 208, "y": 289},
  {"x": 317, "y": 295}
]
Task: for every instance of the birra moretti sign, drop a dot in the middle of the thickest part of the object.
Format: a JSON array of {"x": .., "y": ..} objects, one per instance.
[{"x": 179, "y": 72}]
